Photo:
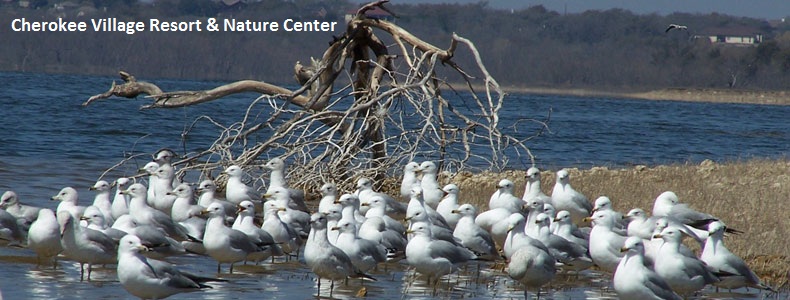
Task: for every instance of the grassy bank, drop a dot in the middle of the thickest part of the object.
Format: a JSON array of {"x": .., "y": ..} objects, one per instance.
[
  {"x": 677, "y": 94},
  {"x": 747, "y": 195}
]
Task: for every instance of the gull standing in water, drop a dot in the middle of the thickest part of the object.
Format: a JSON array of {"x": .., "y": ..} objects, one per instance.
[
  {"x": 634, "y": 280},
  {"x": 364, "y": 254},
  {"x": 245, "y": 223},
  {"x": 605, "y": 242},
  {"x": 684, "y": 274},
  {"x": 531, "y": 266},
  {"x": 471, "y": 235},
  {"x": 44, "y": 237},
  {"x": 226, "y": 245},
  {"x": 324, "y": 259},
  {"x": 431, "y": 257},
  {"x": 142, "y": 214},
  {"x": 149, "y": 278},
  {"x": 84, "y": 245}
]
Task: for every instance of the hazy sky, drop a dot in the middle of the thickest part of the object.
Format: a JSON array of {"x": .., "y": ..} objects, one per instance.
[{"x": 766, "y": 9}]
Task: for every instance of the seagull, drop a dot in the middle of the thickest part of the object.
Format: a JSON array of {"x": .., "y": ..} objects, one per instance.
[
  {"x": 163, "y": 158},
  {"x": 68, "y": 198},
  {"x": 573, "y": 256},
  {"x": 44, "y": 237},
  {"x": 639, "y": 224},
  {"x": 564, "y": 197},
  {"x": 297, "y": 219},
  {"x": 410, "y": 179},
  {"x": 506, "y": 199},
  {"x": 277, "y": 180},
  {"x": 605, "y": 242},
  {"x": 226, "y": 245},
  {"x": 471, "y": 235},
  {"x": 668, "y": 205},
  {"x": 365, "y": 192},
  {"x": 142, "y": 214},
  {"x": 152, "y": 279},
  {"x": 95, "y": 220},
  {"x": 684, "y": 274},
  {"x": 150, "y": 168},
  {"x": 245, "y": 223},
  {"x": 184, "y": 206},
  {"x": 450, "y": 203},
  {"x": 207, "y": 189},
  {"x": 676, "y": 26},
  {"x": 364, "y": 254},
  {"x": 429, "y": 184},
  {"x": 432, "y": 257},
  {"x": 236, "y": 190},
  {"x": 438, "y": 232},
  {"x": 377, "y": 206},
  {"x": 84, "y": 245},
  {"x": 532, "y": 266},
  {"x": 569, "y": 231},
  {"x": 603, "y": 203},
  {"x": 282, "y": 232},
  {"x": 25, "y": 214},
  {"x": 324, "y": 259},
  {"x": 532, "y": 187},
  {"x": 417, "y": 204},
  {"x": 328, "y": 197},
  {"x": 102, "y": 200},
  {"x": 634, "y": 280},
  {"x": 120, "y": 203},
  {"x": 721, "y": 260},
  {"x": 375, "y": 230},
  {"x": 163, "y": 186}
]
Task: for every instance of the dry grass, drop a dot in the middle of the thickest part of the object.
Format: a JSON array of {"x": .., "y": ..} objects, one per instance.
[{"x": 746, "y": 195}]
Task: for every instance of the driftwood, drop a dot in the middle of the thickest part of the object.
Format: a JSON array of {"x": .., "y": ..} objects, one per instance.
[{"x": 329, "y": 139}]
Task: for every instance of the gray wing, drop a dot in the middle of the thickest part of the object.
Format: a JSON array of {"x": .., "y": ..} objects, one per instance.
[
  {"x": 736, "y": 265},
  {"x": 114, "y": 234},
  {"x": 453, "y": 253},
  {"x": 659, "y": 287},
  {"x": 695, "y": 267},
  {"x": 101, "y": 240},
  {"x": 393, "y": 240},
  {"x": 297, "y": 200},
  {"x": 691, "y": 217},
  {"x": 241, "y": 241},
  {"x": 378, "y": 252},
  {"x": 173, "y": 277}
]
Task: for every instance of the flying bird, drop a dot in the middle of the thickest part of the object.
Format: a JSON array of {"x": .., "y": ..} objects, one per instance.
[{"x": 676, "y": 26}]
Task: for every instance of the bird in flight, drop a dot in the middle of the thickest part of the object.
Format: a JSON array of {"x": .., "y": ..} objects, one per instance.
[{"x": 676, "y": 26}]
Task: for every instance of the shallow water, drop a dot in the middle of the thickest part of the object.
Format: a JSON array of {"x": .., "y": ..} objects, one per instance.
[{"x": 49, "y": 141}]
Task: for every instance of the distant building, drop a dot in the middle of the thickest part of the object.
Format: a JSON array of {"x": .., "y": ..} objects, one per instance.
[{"x": 734, "y": 35}]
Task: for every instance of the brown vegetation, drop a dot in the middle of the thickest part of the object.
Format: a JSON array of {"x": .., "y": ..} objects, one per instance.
[{"x": 749, "y": 195}]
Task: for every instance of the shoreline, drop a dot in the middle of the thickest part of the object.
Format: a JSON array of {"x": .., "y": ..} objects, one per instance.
[{"x": 711, "y": 95}]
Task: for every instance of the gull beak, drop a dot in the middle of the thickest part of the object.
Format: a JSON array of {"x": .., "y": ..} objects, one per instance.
[
  {"x": 409, "y": 231},
  {"x": 266, "y": 196},
  {"x": 525, "y": 207},
  {"x": 537, "y": 222},
  {"x": 325, "y": 213},
  {"x": 281, "y": 209},
  {"x": 623, "y": 250},
  {"x": 587, "y": 219},
  {"x": 170, "y": 194},
  {"x": 335, "y": 228},
  {"x": 125, "y": 192},
  {"x": 556, "y": 220},
  {"x": 657, "y": 236},
  {"x": 407, "y": 219},
  {"x": 204, "y": 212},
  {"x": 594, "y": 210},
  {"x": 510, "y": 228},
  {"x": 84, "y": 218},
  {"x": 364, "y": 204},
  {"x": 455, "y": 211},
  {"x": 93, "y": 188},
  {"x": 240, "y": 208},
  {"x": 143, "y": 248},
  {"x": 54, "y": 198},
  {"x": 337, "y": 202}
]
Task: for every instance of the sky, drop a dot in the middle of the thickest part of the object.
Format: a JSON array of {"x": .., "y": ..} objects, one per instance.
[{"x": 762, "y": 9}]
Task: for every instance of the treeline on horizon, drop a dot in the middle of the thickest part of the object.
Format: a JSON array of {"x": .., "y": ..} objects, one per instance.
[{"x": 533, "y": 47}]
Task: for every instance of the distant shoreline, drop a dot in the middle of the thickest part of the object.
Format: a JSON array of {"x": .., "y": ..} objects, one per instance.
[{"x": 674, "y": 94}]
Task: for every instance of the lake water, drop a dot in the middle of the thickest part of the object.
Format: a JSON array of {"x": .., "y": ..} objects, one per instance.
[{"x": 50, "y": 141}]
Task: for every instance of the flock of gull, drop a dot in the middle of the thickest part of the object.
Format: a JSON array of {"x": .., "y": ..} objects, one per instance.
[{"x": 137, "y": 227}]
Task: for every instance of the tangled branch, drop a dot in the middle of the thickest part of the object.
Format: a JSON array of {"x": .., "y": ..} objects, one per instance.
[{"x": 392, "y": 110}]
